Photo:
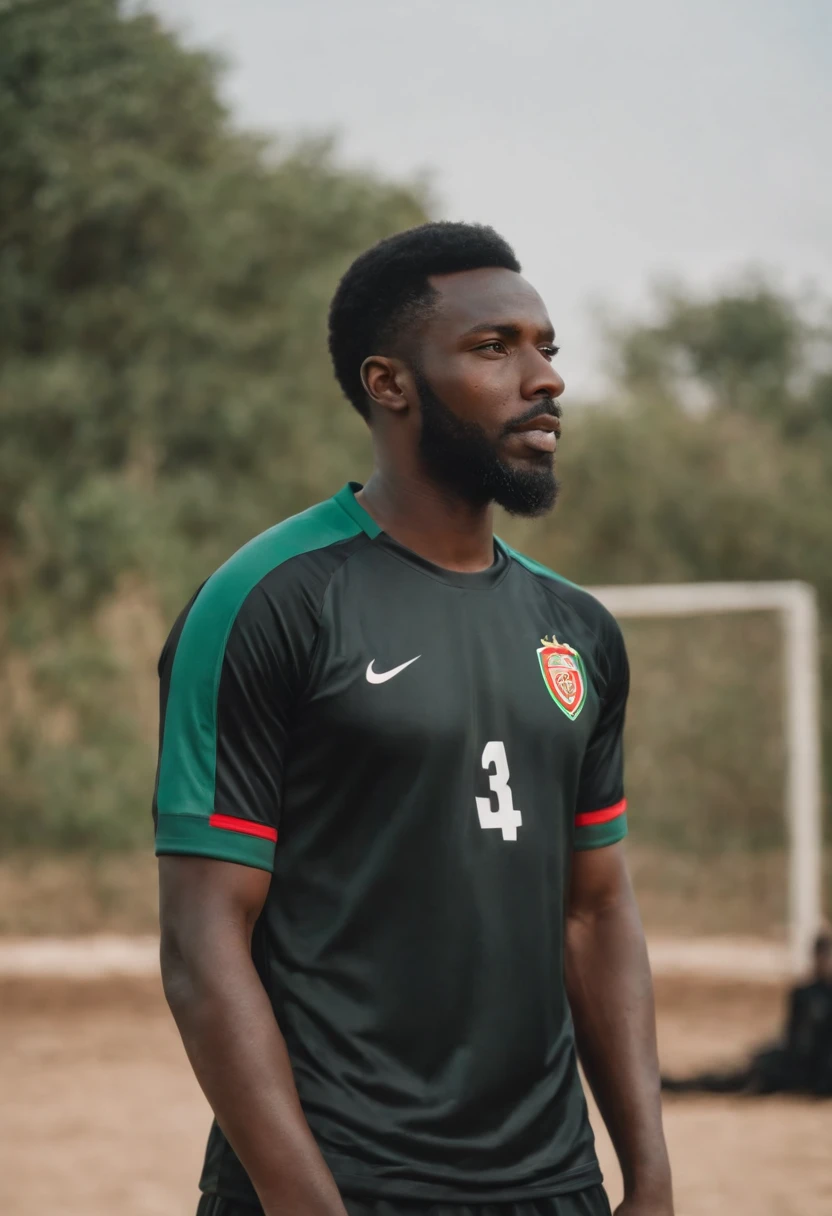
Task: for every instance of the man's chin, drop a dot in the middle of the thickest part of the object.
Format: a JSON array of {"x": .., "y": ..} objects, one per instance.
[{"x": 527, "y": 493}]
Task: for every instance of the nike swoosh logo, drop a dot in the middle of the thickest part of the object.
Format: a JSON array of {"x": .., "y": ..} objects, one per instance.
[{"x": 381, "y": 677}]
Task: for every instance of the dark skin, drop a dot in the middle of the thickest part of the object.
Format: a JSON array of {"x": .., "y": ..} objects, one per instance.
[
  {"x": 487, "y": 352},
  {"x": 611, "y": 996},
  {"x": 207, "y": 911}
]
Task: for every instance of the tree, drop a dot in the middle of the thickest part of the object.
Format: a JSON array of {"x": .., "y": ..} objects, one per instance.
[{"x": 165, "y": 390}]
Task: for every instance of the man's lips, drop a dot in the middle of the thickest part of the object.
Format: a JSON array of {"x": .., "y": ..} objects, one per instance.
[{"x": 539, "y": 433}]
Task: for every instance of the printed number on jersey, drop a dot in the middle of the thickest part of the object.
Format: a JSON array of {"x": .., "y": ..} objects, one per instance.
[{"x": 505, "y": 816}]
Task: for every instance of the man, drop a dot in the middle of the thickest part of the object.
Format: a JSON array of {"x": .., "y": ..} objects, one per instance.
[
  {"x": 801, "y": 1062},
  {"x": 390, "y": 803}
]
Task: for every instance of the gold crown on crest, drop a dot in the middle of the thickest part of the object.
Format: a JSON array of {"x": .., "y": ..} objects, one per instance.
[{"x": 555, "y": 642}]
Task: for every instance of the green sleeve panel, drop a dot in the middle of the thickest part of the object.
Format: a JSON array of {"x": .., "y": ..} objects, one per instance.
[
  {"x": 196, "y": 836},
  {"x": 236, "y": 697},
  {"x": 599, "y": 835}
]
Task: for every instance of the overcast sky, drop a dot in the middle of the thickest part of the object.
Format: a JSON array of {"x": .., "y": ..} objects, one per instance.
[{"x": 612, "y": 142}]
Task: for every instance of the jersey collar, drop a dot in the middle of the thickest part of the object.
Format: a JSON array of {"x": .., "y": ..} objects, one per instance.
[
  {"x": 347, "y": 502},
  {"x": 480, "y": 581}
]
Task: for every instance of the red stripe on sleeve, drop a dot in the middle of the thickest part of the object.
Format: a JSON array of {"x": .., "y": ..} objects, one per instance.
[
  {"x": 588, "y": 818},
  {"x": 231, "y": 824}
]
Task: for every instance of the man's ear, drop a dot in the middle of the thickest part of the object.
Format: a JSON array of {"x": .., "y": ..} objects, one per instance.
[{"x": 383, "y": 381}]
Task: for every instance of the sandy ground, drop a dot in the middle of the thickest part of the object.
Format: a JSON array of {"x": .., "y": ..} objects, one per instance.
[{"x": 100, "y": 1114}]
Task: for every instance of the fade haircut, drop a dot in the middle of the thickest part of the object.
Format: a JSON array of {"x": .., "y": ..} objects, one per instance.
[{"x": 386, "y": 291}]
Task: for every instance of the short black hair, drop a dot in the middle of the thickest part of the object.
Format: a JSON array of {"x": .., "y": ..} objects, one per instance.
[
  {"x": 823, "y": 943},
  {"x": 386, "y": 288}
]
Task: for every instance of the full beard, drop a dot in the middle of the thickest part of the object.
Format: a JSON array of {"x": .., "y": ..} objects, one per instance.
[{"x": 459, "y": 456}]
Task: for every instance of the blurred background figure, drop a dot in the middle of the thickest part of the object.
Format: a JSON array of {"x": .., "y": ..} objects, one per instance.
[{"x": 800, "y": 1061}]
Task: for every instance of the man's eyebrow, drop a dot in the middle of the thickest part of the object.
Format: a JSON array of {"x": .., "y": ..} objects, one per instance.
[{"x": 547, "y": 334}]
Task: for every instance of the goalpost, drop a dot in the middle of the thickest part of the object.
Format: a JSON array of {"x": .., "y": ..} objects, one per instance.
[{"x": 796, "y": 604}]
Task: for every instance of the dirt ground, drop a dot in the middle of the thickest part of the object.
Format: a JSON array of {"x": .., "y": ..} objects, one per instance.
[{"x": 100, "y": 1114}]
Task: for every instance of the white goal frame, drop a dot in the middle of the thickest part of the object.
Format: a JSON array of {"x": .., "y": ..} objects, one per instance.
[{"x": 796, "y": 604}]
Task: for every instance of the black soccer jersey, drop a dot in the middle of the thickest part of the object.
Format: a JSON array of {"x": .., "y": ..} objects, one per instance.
[{"x": 414, "y": 753}]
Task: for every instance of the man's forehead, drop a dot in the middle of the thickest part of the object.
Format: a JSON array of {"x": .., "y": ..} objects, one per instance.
[{"x": 491, "y": 295}]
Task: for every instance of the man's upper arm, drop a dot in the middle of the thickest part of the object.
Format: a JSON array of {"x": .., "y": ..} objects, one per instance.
[
  {"x": 598, "y": 880},
  {"x": 229, "y": 681},
  {"x": 198, "y": 896},
  {"x": 600, "y": 813}
]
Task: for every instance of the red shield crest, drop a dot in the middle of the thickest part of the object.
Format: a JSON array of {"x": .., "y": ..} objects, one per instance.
[{"x": 563, "y": 673}]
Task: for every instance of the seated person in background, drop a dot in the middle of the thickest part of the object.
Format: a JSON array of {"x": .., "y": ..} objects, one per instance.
[{"x": 801, "y": 1062}]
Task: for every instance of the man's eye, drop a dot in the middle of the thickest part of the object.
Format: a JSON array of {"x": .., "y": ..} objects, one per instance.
[
  {"x": 498, "y": 346},
  {"x": 549, "y": 351}
]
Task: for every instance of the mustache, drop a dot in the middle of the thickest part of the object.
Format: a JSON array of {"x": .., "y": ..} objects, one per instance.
[{"x": 546, "y": 405}]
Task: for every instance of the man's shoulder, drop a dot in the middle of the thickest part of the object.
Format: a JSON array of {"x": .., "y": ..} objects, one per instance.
[
  {"x": 313, "y": 531},
  {"x": 291, "y": 561},
  {"x": 596, "y": 616},
  {"x": 811, "y": 990}
]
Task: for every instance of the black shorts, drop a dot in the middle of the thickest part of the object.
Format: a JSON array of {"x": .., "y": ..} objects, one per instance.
[{"x": 590, "y": 1202}]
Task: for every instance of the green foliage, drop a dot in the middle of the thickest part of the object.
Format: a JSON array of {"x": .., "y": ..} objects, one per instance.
[
  {"x": 165, "y": 387},
  {"x": 744, "y": 349}
]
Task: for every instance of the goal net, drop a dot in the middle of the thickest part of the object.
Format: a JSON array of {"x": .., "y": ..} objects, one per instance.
[{"x": 723, "y": 765}]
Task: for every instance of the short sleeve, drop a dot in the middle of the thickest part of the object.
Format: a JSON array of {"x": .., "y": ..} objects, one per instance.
[
  {"x": 601, "y": 809},
  {"x": 228, "y": 696}
]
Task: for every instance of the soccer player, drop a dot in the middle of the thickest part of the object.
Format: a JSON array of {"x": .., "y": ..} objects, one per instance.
[
  {"x": 389, "y": 804},
  {"x": 800, "y": 1061}
]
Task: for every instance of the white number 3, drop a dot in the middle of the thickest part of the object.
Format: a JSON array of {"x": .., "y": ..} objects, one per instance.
[{"x": 506, "y": 817}]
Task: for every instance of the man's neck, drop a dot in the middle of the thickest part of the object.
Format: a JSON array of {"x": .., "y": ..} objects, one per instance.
[{"x": 431, "y": 521}]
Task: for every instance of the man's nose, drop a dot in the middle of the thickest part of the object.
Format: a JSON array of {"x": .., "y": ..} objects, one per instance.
[{"x": 540, "y": 379}]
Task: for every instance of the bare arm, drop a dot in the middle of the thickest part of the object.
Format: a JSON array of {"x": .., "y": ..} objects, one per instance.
[
  {"x": 208, "y": 910},
  {"x": 611, "y": 994}
]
